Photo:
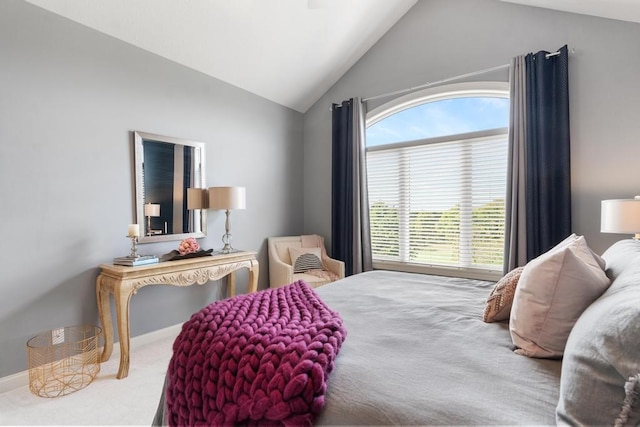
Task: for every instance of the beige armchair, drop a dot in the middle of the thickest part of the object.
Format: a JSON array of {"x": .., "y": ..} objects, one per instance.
[{"x": 281, "y": 267}]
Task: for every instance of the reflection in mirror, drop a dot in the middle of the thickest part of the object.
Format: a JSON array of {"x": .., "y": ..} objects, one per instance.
[{"x": 167, "y": 172}]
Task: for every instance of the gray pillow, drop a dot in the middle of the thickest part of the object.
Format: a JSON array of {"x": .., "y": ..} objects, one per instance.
[
  {"x": 620, "y": 255},
  {"x": 602, "y": 354}
]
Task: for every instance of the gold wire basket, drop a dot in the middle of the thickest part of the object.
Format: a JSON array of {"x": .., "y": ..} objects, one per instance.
[{"x": 63, "y": 360}]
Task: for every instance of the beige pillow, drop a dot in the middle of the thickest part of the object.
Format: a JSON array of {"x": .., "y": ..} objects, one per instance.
[
  {"x": 554, "y": 289},
  {"x": 305, "y": 259},
  {"x": 572, "y": 238},
  {"x": 500, "y": 300}
]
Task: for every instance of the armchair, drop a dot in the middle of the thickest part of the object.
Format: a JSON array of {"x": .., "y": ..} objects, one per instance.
[{"x": 281, "y": 267}]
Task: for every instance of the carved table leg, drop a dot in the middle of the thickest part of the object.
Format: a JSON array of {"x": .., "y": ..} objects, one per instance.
[
  {"x": 104, "y": 312},
  {"x": 123, "y": 297},
  {"x": 253, "y": 276},
  {"x": 231, "y": 284}
]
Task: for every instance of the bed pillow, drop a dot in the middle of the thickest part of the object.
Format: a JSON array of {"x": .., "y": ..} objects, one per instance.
[
  {"x": 498, "y": 304},
  {"x": 553, "y": 291},
  {"x": 599, "y": 380},
  {"x": 305, "y": 259},
  {"x": 620, "y": 256},
  {"x": 572, "y": 238}
]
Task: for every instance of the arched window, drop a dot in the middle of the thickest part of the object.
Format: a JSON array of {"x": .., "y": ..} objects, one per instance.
[{"x": 437, "y": 166}]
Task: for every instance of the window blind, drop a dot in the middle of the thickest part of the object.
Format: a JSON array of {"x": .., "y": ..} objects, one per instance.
[{"x": 440, "y": 202}]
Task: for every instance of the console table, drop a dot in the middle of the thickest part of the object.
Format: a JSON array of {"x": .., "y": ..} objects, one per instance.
[{"x": 123, "y": 282}]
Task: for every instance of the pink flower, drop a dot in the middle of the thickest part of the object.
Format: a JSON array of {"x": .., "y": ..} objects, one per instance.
[{"x": 188, "y": 246}]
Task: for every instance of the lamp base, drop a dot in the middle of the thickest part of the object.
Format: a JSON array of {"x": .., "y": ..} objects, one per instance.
[{"x": 226, "y": 240}]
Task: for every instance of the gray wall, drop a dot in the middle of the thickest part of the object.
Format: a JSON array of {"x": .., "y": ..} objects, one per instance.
[
  {"x": 69, "y": 99},
  {"x": 438, "y": 39}
]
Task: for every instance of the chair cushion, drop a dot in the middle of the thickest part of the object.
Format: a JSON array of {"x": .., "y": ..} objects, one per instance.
[
  {"x": 313, "y": 281},
  {"x": 305, "y": 259}
]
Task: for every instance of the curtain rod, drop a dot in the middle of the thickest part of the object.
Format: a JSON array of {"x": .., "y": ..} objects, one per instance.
[
  {"x": 557, "y": 52},
  {"x": 462, "y": 76},
  {"x": 426, "y": 85}
]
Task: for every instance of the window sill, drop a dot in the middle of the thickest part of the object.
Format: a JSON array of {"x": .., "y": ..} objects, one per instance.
[{"x": 468, "y": 273}]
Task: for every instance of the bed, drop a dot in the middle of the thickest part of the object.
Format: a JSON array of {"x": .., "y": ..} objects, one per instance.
[{"x": 417, "y": 352}]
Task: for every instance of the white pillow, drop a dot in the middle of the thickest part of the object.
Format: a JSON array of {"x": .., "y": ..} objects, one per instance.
[
  {"x": 553, "y": 291},
  {"x": 305, "y": 259}
]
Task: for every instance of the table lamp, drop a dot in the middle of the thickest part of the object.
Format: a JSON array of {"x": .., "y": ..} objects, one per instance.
[
  {"x": 197, "y": 198},
  {"x": 621, "y": 216},
  {"x": 227, "y": 198},
  {"x": 151, "y": 209}
]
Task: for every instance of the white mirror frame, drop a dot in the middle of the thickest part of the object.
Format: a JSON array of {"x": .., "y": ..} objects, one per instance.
[{"x": 198, "y": 217}]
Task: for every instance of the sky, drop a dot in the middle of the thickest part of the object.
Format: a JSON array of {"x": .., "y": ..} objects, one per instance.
[{"x": 440, "y": 118}]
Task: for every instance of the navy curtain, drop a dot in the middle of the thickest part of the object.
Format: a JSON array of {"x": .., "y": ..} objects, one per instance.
[
  {"x": 350, "y": 234},
  {"x": 548, "y": 173},
  {"x": 341, "y": 192}
]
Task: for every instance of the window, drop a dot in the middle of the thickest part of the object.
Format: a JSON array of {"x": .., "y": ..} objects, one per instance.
[{"x": 436, "y": 165}]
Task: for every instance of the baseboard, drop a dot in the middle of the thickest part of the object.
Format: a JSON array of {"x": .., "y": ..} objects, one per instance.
[
  {"x": 14, "y": 381},
  {"x": 160, "y": 334},
  {"x": 21, "y": 379}
]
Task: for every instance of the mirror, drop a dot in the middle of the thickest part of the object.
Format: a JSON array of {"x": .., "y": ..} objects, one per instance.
[{"x": 167, "y": 170}]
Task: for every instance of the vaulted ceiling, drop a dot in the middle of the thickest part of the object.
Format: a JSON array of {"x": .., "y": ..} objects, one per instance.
[{"x": 288, "y": 51}]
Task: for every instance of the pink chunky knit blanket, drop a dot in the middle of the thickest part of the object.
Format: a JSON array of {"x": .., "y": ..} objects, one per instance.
[{"x": 260, "y": 358}]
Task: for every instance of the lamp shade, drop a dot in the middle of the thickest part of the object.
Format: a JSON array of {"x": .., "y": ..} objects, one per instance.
[
  {"x": 151, "y": 209},
  {"x": 221, "y": 198},
  {"x": 197, "y": 198},
  {"x": 620, "y": 216}
]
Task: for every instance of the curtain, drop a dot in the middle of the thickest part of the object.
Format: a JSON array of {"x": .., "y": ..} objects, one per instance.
[
  {"x": 515, "y": 225},
  {"x": 548, "y": 164},
  {"x": 350, "y": 234},
  {"x": 540, "y": 125}
]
